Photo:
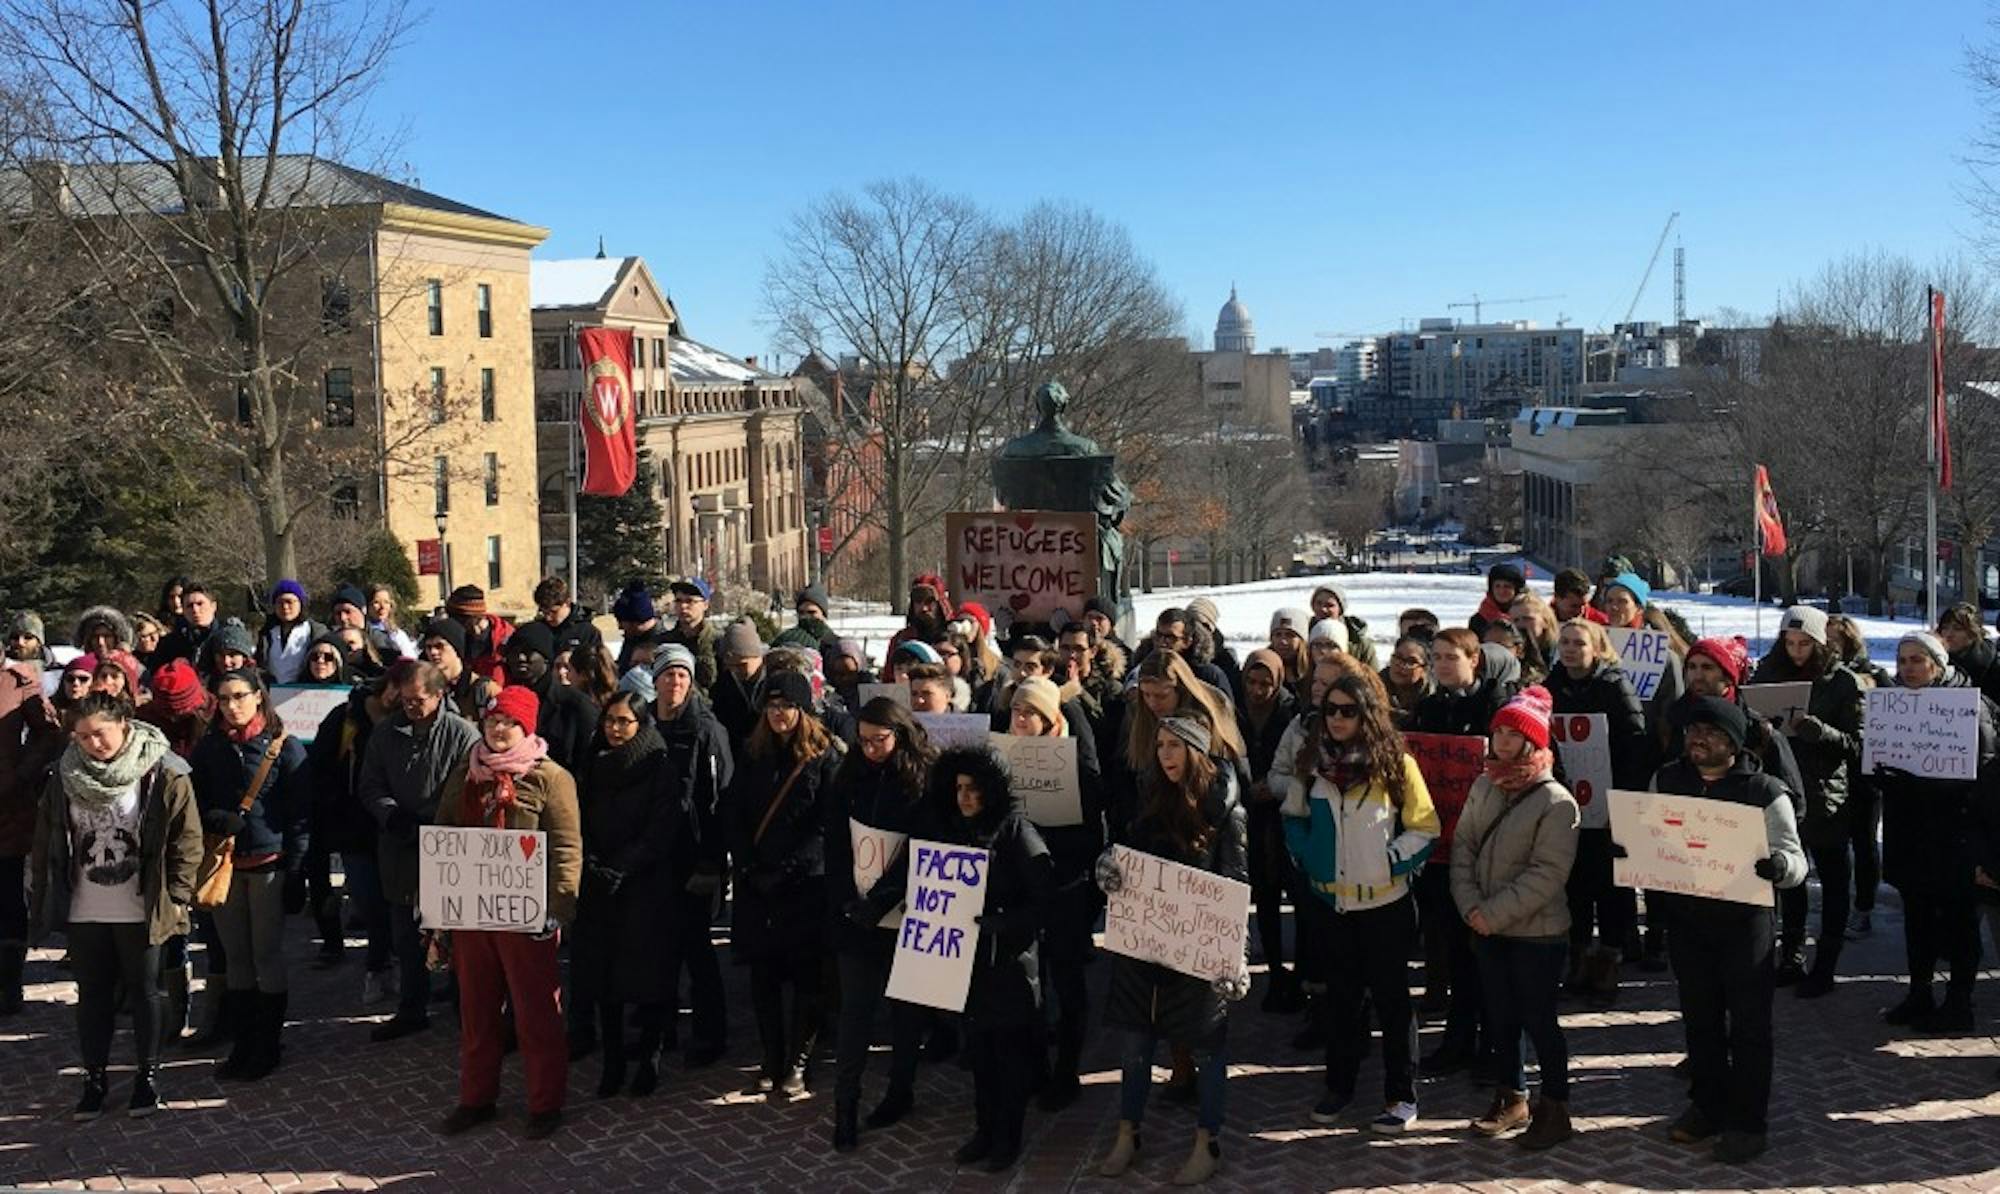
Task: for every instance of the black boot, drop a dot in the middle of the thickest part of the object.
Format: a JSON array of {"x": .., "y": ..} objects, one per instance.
[
  {"x": 611, "y": 1030},
  {"x": 896, "y": 1103},
  {"x": 846, "y": 1133},
  {"x": 13, "y": 959},
  {"x": 219, "y": 1015},
  {"x": 269, "y": 1035},
  {"x": 145, "y": 1098},
  {"x": 239, "y": 1011},
  {"x": 91, "y": 1105},
  {"x": 646, "y": 1067}
]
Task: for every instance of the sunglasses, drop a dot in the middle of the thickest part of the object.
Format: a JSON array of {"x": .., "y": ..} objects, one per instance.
[
  {"x": 1346, "y": 711},
  {"x": 322, "y": 657}
]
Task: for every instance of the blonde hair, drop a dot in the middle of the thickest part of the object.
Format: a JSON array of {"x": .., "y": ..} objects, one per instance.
[
  {"x": 1190, "y": 692},
  {"x": 1598, "y": 639}
]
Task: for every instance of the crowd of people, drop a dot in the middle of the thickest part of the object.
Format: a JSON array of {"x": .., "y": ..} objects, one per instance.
[{"x": 151, "y": 795}]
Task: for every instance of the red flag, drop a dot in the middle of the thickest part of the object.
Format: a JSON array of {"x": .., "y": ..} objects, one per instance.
[
  {"x": 1940, "y": 434},
  {"x": 1769, "y": 528},
  {"x": 610, "y": 446}
]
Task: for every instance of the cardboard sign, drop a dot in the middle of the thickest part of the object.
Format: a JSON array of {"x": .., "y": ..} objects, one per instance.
[
  {"x": 949, "y": 731},
  {"x": 1689, "y": 845},
  {"x": 492, "y": 880},
  {"x": 1177, "y": 916},
  {"x": 1450, "y": 763},
  {"x": 1643, "y": 654},
  {"x": 938, "y": 937},
  {"x": 1042, "y": 772},
  {"x": 303, "y": 706},
  {"x": 899, "y": 693},
  {"x": 1028, "y": 563},
  {"x": 874, "y": 849},
  {"x": 1583, "y": 742},
  {"x": 1928, "y": 732},
  {"x": 1780, "y": 704}
]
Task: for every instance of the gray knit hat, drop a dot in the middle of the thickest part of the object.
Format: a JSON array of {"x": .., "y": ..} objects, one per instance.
[
  {"x": 672, "y": 655},
  {"x": 27, "y": 622},
  {"x": 1190, "y": 731}
]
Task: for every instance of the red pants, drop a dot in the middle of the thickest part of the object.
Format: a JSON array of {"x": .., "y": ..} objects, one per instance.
[{"x": 493, "y": 967}]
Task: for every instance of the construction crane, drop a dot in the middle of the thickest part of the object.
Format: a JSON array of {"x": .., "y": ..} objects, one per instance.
[
  {"x": 1650, "y": 263},
  {"x": 1475, "y": 302}
]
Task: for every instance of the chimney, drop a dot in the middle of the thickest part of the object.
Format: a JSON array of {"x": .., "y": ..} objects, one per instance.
[{"x": 49, "y": 189}]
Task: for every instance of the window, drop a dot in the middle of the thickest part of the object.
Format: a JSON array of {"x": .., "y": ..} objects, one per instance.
[
  {"x": 434, "y": 290},
  {"x": 487, "y": 411},
  {"x": 548, "y": 352},
  {"x": 437, "y": 394},
  {"x": 441, "y": 483},
  {"x": 492, "y": 561},
  {"x": 336, "y": 306},
  {"x": 340, "y": 397},
  {"x": 659, "y": 354},
  {"x": 492, "y": 479},
  {"x": 347, "y": 502},
  {"x": 485, "y": 311}
]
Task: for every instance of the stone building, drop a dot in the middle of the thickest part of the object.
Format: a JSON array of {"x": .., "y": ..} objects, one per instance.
[{"x": 1240, "y": 385}]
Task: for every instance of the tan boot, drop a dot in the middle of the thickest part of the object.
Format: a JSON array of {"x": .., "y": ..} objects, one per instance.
[
  {"x": 1123, "y": 1151},
  {"x": 1509, "y": 1111},
  {"x": 1202, "y": 1162},
  {"x": 1551, "y": 1126}
]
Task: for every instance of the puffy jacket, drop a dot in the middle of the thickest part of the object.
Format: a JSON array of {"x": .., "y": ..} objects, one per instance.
[
  {"x": 333, "y": 761},
  {"x": 1829, "y": 747},
  {"x": 29, "y": 740},
  {"x": 696, "y": 775},
  {"x": 567, "y": 722},
  {"x": 279, "y": 821},
  {"x": 403, "y": 776},
  {"x": 1607, "y": 689},
  {"x": 615, "y": 953},
  {"x": 1981, "y": 665},
  {"x": 1357, "y": 849},
  {"x": 780, "y": 863},
  {"x": 1930, "y": 831},
  {"x": 1514, "y": 856}
]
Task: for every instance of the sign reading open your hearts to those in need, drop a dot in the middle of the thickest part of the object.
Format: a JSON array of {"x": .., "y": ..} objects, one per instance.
[{"x": 492, "y": 880}]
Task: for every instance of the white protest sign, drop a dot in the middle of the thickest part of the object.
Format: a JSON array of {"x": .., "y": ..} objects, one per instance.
[
  {"x": 899, "y": 693},
  {"x": 939, "y": 936},
  {"x": 874, "y": 850},
  {"x": 1042, "y": 772},
  {"x": 1781, "y": 704},
  {"x": 492, "y": 880},
  {"x": 1181, "y": 917},
  {"x": 1643, "y": 654},
  {"x": 1583, "y": 740},
  {"x": 1690, "y": 845},
  {"x": 303, "y": 706},
  {"x": 948, "y": 731},
  {"x": 1928, "y": 732}
]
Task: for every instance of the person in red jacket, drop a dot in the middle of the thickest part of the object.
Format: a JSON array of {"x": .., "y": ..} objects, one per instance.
[{"x": 486, "y": 634}]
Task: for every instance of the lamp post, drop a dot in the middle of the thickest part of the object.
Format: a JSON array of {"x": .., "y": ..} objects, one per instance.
[{"x": 444, "y": 558}]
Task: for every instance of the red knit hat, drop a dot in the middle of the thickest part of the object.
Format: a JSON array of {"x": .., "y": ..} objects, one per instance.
[
  {"x": 1731, "y": 654},
  {"x": 177, "y": 687},
  {"x": 979, "y": 616},
  {"x": 1528, "y": 713},
  {"x": 519, "y": 704}
]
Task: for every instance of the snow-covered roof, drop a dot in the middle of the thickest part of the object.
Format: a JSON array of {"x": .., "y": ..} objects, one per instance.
[
  {"x": 578, "y": 282},
  {"x": 695, "y": 363}
]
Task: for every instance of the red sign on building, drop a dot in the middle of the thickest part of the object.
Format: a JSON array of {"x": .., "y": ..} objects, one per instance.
[
  {"x": 826, "y": 541},
  {"x": 430, "y": 557}
]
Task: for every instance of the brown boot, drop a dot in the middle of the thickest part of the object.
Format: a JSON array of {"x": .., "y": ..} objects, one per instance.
[
  {"x": 1509, "y": 1111},
  {"x": 1551, "y": 1126}
]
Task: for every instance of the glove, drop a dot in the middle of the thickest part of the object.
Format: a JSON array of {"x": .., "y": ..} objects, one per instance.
[
  {"x": 403, "y": 823},
  {"x": 704, "y": 883},
  {"x": 859, "y": 914},
  {"x": 295, "y": 892},
  {"x": 1810, "y": 729},
  {"x": 1232, "y": 987},
  {"x": 1618, "y": 851},
  {"x": 1767, "y": 869},
  {"x": 550, "y": 928},
  {"x": 1110, "y": 878},
  {"x": 225, "y": 821}
]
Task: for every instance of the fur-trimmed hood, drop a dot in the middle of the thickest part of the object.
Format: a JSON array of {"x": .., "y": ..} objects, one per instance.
[
  {"x": 986, "y": 770},
  {"x": 105, "y": 615}
]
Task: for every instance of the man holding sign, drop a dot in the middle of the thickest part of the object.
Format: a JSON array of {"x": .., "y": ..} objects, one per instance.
[{"x": 1721, "y": 949}]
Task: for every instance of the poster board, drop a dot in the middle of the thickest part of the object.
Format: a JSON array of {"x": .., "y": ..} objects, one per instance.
[
  {"x": 1929, "y": 732},
  {"x": 898, "y": 692},
  {"x": 1027, "y": 563},
  {"x": 873, "y": 850},
  {"x": 1583, "y": 742},
  {"x": 1689, "y": 845},
  {"x": 938, "y": 937},
  {"x": 492, "y": 880},
  {"x": 302, "y": 707},
  {"x": 1043, "y": 773},
  {"x": 948, "y": 731},
  {"x": 1450, "y": 763},
  {"x": 1643, "y": 655},
  {"x": 1181, "y": 917},
  {"x": 1780, "y": 704}
]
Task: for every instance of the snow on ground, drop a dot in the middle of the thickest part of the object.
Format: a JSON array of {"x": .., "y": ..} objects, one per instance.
[{"x": 1378, "y": 597}]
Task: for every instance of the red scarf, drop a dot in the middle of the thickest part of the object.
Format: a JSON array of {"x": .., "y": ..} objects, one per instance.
[
  {"x": 1344, "y": 769},
  {"x": 242, "y": 734},
  {"x": 490, "y": 775},
  {"x": 1513, "y": 776},
  {"x": 1491, "y": 610}
]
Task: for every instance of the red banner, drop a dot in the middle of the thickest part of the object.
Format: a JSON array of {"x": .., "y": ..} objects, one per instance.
[
  {"x": 430, "y": 557},
  {"x": 1770, "y": 528},
  {"x": 1940, "y": 434},
  {"x": 1451, "y": 764},
  {"x": 610, "y": 443}
]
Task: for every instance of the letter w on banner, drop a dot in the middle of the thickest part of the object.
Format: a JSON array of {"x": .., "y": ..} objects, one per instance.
[
  {"x": 1770, "y": 528},
  {"x": 610, "y": 445}
]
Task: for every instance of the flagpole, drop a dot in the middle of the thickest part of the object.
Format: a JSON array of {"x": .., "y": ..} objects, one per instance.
[
  {"x": 1931, "y": 482},
  {"x": 1757, "y": 557},
  {"x": 569, "y": 490}
]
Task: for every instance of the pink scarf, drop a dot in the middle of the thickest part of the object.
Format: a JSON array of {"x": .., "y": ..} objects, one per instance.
[
  {"x": 491, "y": 775},
  {"x": 1515, "y": 775}
]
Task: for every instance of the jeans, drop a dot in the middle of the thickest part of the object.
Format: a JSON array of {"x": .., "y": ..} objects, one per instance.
[
  {"x": 106, "y": 958},
  {"x": 364, "y": 887},
  {"x": 413, "y": 1000},
  {"x": 864, "y": 976},
  {"x": 1211, "y": 1076},
  {"x": 1835, "y": 880},
  {"x": 1864, "y": 827},
  {"x": 787, "y": 1041},
  {"x": 1722, "y": 961},
  {"x": 252, "y": 924},
  {"x": 1522, "y": 979},
  {"x": 1368, "y": 951}
]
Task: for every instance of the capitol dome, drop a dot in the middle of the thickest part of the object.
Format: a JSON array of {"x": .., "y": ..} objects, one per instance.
[{"x": 1233, "y": 330}]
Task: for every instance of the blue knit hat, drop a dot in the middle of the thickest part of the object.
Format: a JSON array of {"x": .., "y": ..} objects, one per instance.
[
  {"x": 1630, "y": 582},
  {"x": 288, "y": 585},
  {"x": 638, "y": 680},
  {"x": 635, "y": 604}
]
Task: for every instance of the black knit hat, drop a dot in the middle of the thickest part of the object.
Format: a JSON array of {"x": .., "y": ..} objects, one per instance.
[
  {"x": 1511, "y": 573},
  {"x": 1712, "y": 711},
  {"x": 532, "y": 636},
  {"x": 792, "y": 686},
  {"x": 450, "y": 631}
]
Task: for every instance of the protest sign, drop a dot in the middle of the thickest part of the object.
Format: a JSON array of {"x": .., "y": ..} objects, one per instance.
[
  {"x": 874, "y": 849},
  {"x": 1928, "y": 732},
  {"x": 899, "y": 693},
  {"x": 1780, "y": 704},
  {"x": 1450, "y": 763},
  {"x": 1181, "y": 917},
  {"x": 1583, "y": 743},
  {"x": 1028, "y": 563},
  {"x": 1690, "y": 845},
  {"x": 1643, "y": 654},
  {"x": 950, "y": 730},
  {"x": 939, "y": 935},
  {"x": 1042, "y": 772},
  {"x": 303, "y": 706},
  {"x": 493, "y": 880}
]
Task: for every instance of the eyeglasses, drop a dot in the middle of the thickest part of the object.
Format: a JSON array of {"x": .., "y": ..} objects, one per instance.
[
  {"x": 1346, "y": 711},
  {"x": 1407, "y": 661},
  {"x": 322, "y": 657},
  {"x": 235, "y": 698},
  {"x": 620, "y": 723}
]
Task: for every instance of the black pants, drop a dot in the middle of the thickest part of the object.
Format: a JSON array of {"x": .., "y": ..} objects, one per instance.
[
  {"x": 693, "y": 946},
  {"x": 1000, "y": 1075},
  {"x": 1594, "y": 900},
  {"x": 106, "y": 958},
  {"x": 413, "y": 999},
  {"x": 652, "y": 1020},
  {"x": 1065, "y": 951},
  {"x": 1522, "y": 979},
  {"x": 787, "y": 1040},
  {"x": 1864, "y": 829},
  {"x": 1835, "y": 895},
  {"x": 1722, "y": 961},
  {"x": 1443, "y": 924},
  {"x": 13, "y": 902},
  {"x": 1369, "y": 952},
  {"x": 1272, "y": 878},
  {"x": 1941, "y": 928},
  {"x": 1794, "y": 909},
  {"x": 864, "y": 976}
]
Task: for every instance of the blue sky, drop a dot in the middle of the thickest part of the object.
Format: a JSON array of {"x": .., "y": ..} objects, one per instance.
[{"x": 1345, "y": 166}]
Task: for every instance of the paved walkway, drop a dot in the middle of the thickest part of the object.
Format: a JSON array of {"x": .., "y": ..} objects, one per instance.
[{"x": 1856, "y": 1107}]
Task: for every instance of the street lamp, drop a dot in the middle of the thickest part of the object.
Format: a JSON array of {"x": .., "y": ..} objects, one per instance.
[{"x": 444, "y": 558}]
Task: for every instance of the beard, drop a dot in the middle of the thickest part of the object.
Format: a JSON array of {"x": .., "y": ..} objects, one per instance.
[{"x": 928, "y": 627}]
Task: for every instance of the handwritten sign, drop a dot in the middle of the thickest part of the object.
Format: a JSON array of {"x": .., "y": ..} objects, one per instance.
[
  {"x": 492, "y": 880},
  {"x": 1583, "y": 742},
  {"x": 1689, "y": 845},
  {"x": 1042, "y": 772},
  {"x": 1780, "y": 704},
  {"x": 939, "y": 934},
  {"x": 899, "y": 693},
  {"x": 1181, "y": 917},
  {"x": 1027, "y": 562},
  {"x": 1450, "y": 763},
  {"x": 302, "y": 707},
  {"x": 1643, "y": 654},
  {"x": 874, "y": 849},
  {"x": 1929, "y": 732},
  {"x": 951, "y": 730}
]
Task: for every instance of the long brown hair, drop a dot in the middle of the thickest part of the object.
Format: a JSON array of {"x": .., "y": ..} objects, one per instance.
[
  {"x": 1177, "y": 806},
  {"x": 914, "y": 752},
  {"x": 1190, "y": 693},
  {"x": 593, "y": 672},
  {"x": 807, "y": 741},
  {"x": 1380, "y": 742}
]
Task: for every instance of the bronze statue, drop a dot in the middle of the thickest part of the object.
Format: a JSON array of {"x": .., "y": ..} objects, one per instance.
[{"x": 1054, "y": 468}]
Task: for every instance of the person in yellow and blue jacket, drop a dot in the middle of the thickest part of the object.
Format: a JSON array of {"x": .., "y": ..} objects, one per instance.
[{"x": 1359, "y": 824}]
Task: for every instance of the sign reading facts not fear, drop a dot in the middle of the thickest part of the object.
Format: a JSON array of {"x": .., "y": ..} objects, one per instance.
[{"x": 1028, "y": 563}]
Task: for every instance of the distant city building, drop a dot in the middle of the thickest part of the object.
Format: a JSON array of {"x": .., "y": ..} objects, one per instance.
[
  {"x": 1449, "y": 370},
  {"x": 1240, "y": 385},
  {"x": 1233, "y": 330}
]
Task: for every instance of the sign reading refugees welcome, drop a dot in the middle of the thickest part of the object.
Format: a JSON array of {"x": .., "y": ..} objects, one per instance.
[{"x": 1029, "y": 563}]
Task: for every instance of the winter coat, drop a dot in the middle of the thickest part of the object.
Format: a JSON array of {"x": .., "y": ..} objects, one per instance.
[
  {"x": 703, "y": 641},
  {"x": 1147, "y": 997},
  {"x": 697, "y": 772},
  {"x": 652, "y": 637},
  {"x": 1606, "y": 689},
  {"x": 1773, "y": 750},
  {"x": 403, "y": 777},
  {"x": 491, "y": 662},
  {"x": 1984, "y": 840},
  {"x": 567, "y": 722},
  {"x": 186, "y": 641},
  {"x": 1403, "y": 702},
  {"x": 1358, "y": 850},
  {"x": 472, "y": 694},
  {"x": 340, "y": 825},
  {"x": 869, "y": 794},
  {"x": 279, "y": 821},
  {"x": 1980, "y": 665},
  {"x": 1359, "y": 645},
  {"x": 1232, "y": 671},
  {"x": 575, "y": 631},
  {"x": 1744, "y": 783},
  {"x": 169, "y": 851},
  {"x": 1513, "y": 858},
  {"x": 618, "y": 951},
  {"x": 281, "y": 650},
  {"x": 1930, "y": 835},
  {"x": 1828, "y": 753},
  {"x": 29, "y": 741},
  {"x": 778, "y": 852},
  {"x": 735, "y": 706},
  {"x": 544, "y": 800},
  {"x": 1468, "y": 711}
]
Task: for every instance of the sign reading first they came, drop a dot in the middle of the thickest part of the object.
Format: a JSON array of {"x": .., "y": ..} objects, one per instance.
[
  {"x": 1029, "y": 563},
  {"x": 491, "y": 880},
  {"x": 1928, "y": 732}
]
